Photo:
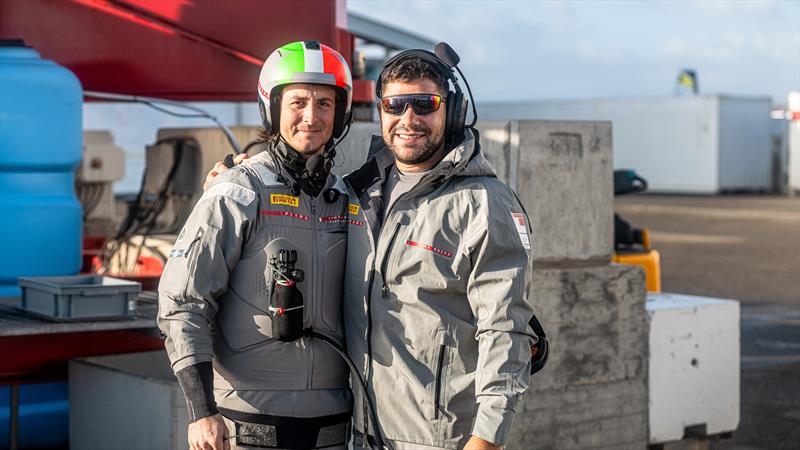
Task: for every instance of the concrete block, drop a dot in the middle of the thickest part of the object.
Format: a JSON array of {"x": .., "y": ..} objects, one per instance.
[
  {"x": 500, "y": 145},
  {"x": 593, "y": 392},
  {"x": 596, "y": 323},
  {"x": 126, "y": 402},
  {"x": 607, "y": 416},
  {"x": 565, "y": 180},
  {"x": 694, "y": 365}
]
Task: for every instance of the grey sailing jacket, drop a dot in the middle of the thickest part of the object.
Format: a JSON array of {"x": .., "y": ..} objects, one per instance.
[
  {"x": 214, "y": 293},
  {"x": 436, "y": 309}
]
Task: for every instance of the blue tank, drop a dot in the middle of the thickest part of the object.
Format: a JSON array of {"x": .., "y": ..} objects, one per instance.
[{"x": 41, "y": 144}]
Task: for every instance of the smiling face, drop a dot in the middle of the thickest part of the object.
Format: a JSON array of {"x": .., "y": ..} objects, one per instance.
[
  {"x": 307, "y": 113},
  {"x": 417, "y": 142}
]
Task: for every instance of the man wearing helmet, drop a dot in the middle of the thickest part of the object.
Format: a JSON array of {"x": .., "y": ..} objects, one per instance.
[{"x": 217, "y": 287}]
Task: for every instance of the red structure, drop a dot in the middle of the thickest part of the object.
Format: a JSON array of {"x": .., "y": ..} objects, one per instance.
[
  {"x": 178, "y": 49},
  {"x": 192, "y": 50}
]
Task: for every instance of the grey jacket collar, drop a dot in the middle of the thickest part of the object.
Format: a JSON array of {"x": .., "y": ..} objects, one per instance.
[{"x": 465, "y": 160}]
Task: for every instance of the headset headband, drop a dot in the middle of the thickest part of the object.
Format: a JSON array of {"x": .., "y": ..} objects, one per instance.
[{"x": 445, "y": 71}]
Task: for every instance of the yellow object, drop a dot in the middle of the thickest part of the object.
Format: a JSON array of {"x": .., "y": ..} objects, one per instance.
[
  {"x": 649, "y": 260},
  {"x": 278, "y": 199}
]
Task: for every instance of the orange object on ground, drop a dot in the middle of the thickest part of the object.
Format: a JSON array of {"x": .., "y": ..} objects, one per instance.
[{"x": 649, "y": 260}]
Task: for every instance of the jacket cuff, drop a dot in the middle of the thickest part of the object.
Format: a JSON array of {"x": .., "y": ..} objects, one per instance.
[
  {"x": 190, "y": 360},
  {"x": 197, "y": 383},
  {"x": 493, "y": 420}
]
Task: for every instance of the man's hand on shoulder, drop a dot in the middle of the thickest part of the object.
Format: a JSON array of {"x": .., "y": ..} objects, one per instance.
[
  {"x": 208, "y": 433},
  {"x": 220, "y": 167},
  {"x": 476, "y": 443}
]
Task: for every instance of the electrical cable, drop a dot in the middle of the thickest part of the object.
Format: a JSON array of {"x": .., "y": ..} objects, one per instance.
[
  {"x": 139, "y": 217},
  {"x": 374, "y": 416},
  {"x": 149, "y": 101},
  {"x": 336, "y": 144},
  {"x": 474, "y": 109}
]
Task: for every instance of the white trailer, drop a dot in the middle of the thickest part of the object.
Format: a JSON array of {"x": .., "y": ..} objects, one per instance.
[
  {"x": 794, "y": 143},
  {"x": 702, "y": 144}
]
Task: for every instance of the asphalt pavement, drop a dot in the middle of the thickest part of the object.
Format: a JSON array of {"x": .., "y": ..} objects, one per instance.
[{"x": 745, "y": 248}]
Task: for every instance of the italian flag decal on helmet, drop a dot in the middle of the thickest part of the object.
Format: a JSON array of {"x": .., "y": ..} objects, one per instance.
[{"x": 306, "y": 62}]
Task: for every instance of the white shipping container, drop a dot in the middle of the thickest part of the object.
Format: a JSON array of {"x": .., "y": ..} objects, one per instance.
[{"x": 704, "y": 144}]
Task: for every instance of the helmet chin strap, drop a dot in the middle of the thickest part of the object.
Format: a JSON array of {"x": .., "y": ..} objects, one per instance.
[{"x": 310, "y": 175}]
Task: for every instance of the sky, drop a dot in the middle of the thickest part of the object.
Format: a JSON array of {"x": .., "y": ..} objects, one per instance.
[{"x": 514, "y": 50}]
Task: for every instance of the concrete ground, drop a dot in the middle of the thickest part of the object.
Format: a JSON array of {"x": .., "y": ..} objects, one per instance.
[{"x": 745, "y": 248}]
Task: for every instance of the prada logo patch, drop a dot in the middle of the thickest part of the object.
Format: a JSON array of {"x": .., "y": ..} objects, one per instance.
[
  {"x": 278, "y": 199},
  {"x": 522, "y": 229},
  {"x": 353, "y": 208},
  {"x": 429, "y": 248}
]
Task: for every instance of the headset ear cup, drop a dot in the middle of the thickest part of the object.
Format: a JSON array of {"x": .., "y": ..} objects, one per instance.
[
  {"x": 264, "y": 116},
  {"x": 449, "y": 118},
  {"x": 342, "y": 117},
  {"x": 456, "y": 117},
  {"x": 275, "y": 112}
]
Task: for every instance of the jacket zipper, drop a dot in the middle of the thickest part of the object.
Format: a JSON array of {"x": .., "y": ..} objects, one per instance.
[
  {"x": 385, "y": 262},
  {"x": 368, "y": 370},
  {"x": 438, "y": 392},
  {"x": 313, "y": 277}
]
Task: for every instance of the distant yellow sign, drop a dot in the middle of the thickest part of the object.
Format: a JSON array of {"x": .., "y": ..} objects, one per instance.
[
  {"x": 278, "y": 199},
  {"x": 353, "y": 209}
]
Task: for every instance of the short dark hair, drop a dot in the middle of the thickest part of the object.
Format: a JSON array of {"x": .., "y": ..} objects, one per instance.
[{"x": 411, "y": 69}]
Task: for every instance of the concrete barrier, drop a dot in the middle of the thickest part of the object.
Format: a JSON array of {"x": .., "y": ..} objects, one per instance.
[
  {"x": 563, "y": 173},
  {"x": 593, "y": 393}
]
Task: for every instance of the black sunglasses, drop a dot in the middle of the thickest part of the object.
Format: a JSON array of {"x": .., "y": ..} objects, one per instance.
[{"x": 421, "y": 104}]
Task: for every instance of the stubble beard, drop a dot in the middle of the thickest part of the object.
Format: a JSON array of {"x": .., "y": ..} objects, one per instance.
[{"x": 418, "y": 155}]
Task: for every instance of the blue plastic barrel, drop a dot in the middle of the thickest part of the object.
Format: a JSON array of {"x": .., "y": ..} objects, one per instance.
[
  {"x": 43, "y": 416},
  {"x": 41, "y": 144}
]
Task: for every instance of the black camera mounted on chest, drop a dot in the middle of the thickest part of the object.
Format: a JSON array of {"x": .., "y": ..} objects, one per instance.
[{"x": 286, "y": 300}]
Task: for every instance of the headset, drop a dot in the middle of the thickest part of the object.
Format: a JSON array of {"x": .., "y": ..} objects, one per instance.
[{"x": 443, "y": 60}]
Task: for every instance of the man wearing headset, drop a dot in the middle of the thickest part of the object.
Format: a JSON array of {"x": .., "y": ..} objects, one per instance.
[
  {"x": 215, "y": 295},
  {"x": 439, "y": 257}
]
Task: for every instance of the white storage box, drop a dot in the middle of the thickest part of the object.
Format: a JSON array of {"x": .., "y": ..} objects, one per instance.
[{"x": 694, "y": 366}]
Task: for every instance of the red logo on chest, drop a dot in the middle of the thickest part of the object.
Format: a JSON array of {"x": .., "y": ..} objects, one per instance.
[{"x": 430, "y": 248}]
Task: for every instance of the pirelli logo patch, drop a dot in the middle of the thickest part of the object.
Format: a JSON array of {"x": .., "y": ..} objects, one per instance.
[
  {"x": 288, "y": 200},
  {"x": 353, "y": 208}
]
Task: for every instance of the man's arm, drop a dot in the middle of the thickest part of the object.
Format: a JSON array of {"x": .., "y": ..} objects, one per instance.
[
  {"x": 195, "y": 275},
  {"x": 497, "y": 292}
]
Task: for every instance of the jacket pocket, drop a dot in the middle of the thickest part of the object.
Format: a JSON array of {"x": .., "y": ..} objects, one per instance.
[
  {"x": 180, "y": 268},
  {"x": 437, "y": 393}
]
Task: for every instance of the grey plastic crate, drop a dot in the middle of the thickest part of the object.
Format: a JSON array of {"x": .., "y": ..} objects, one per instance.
[{"x": 80, "y": 297}]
